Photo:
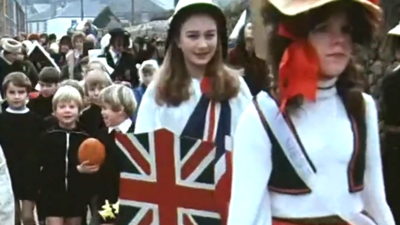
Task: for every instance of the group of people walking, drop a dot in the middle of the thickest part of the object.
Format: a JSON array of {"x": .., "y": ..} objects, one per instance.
[{"x": 291, "y": 139}]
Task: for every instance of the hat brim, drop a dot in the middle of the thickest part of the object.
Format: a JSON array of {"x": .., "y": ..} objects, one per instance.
[
  {"x": 37, "y": 52},
  {"x": 395, "y": 31},
  {"x": 293, "y": 8},
  {"x": 199, "y": 8}
]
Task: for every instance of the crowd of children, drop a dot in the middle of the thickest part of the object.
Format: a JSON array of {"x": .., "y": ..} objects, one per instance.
[{"x": 40, "y": 134}]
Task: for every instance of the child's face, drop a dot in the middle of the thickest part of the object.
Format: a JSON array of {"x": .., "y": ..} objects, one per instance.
[
  {"x": 64, "y": 48},
  {"x": 67, "y": 113},
  {"x": 16, "y": 96},
  {"x": 79, "y": 44},
  {"x": 47, "y": 89},
  {"x": 93, "y": 92},
  {"x": 147, "y": 78},
  {"x": 110, "y": 117}
]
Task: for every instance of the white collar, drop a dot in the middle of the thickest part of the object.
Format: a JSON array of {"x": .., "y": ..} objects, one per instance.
[
  {"x": 326, "y": 88},
  {"x": 13, "y": 111},
  {"x": 122, "y": 127},
  {"x": 114, "y": 54},
  {"x": 77, "y": 54}
]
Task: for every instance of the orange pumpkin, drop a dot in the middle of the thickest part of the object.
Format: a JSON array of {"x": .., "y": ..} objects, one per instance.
[{"x": 92, "y": 150}]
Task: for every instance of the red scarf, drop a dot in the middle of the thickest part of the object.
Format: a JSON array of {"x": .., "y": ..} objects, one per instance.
[{"x": 299, "y": 69}]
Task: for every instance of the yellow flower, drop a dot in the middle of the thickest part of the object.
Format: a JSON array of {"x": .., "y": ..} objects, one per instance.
[
  {"x": 116, "y": 207},
  {"x": 107, "y": 211}
]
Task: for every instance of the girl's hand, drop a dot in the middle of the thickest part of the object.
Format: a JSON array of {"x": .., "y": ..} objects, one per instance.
[
  {"x": 27, "y": 212},
  {"x": 85, "y": 167}
]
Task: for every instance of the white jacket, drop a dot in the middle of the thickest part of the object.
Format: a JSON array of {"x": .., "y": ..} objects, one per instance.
[{"x": 6, "y": 193}]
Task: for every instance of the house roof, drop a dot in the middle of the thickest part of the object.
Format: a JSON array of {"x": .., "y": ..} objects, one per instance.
[
  {"x": 92, "y": 8},
  {"x": 73, "y": 9},
  {"x": 103, "y": 18},
  {"x": 149, "y": 6},
  {"x": 40, "y": 16}
]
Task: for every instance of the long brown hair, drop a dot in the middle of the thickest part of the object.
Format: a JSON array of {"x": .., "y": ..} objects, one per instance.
[
  {"x": 348, "y": 84},
  {"x": 173, "y": 80}
]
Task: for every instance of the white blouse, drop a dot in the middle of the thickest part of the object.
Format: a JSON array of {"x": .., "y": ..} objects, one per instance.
[
  {"x": 325, "y": 132},
  {"x": 151, "y": 116},
  {"x": 6, "y": 193}
]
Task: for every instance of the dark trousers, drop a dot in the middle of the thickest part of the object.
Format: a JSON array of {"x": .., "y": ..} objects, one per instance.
[
  {"x": 391, "y": 171},
  {"x": 94, "y": 215}
]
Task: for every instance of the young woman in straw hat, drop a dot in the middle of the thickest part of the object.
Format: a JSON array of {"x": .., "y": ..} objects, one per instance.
[
  {"x": 194, "y": 94},
  {"x": 390, "y": 115},
  {"x": 313, "y": 154}
]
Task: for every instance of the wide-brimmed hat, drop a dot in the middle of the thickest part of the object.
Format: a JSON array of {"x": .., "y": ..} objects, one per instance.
[
  {"x": 119, "y": 32},
  {"x": 186, "y": 8},
  {"x": 240, "y": 23},
  {"x": 114, "y": 33},
  {"x": 293, "y": 8},
  {"x": 38, "y": 53},
  {"x": 11, "y": 45},
  {"x": 395, "y": 30}
]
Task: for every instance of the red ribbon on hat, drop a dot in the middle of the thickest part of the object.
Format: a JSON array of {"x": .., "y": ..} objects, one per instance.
[{"x": 299, "y": 69}]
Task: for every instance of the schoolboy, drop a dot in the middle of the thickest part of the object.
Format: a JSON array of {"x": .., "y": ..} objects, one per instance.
[
  {"x": 49, "y": 79},
  {"x": 64, "y": 200},
  {"x": 50, "y": 120},
  {"x": 118, "y": 104},
  {"x": 94, "y": 82},
  {"x": 19, "y": 132}
]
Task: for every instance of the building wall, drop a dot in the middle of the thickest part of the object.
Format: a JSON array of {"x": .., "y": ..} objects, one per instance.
[
  {"x": 59, "y": 26},
  {"x": 37, "y": 27},
  {"x": 12, "y": 18}
]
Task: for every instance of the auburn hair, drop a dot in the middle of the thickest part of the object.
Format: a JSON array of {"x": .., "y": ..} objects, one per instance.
[
  {"x": 349, "y": 84},
  {"x": 33, "y": 37},
  {"x": 173, "y": 79}
]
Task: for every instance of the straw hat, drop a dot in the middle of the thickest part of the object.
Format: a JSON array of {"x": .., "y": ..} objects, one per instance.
[
  {"x": 185, "y": 8},
  {"x": 11, "y": 45},
  {"x": 293, "y": 8}
]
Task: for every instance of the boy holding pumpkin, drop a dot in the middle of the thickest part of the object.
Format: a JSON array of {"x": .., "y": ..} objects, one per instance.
[
  {"x": 64, "y": 183},
  {"x": 118, "y": 105}
]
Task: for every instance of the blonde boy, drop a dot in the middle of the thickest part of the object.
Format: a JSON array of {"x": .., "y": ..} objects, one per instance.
[
  {"x": 118, "y": 106},
  {"x": 75, "y": 84},
  {"x": 64, "y": 205},
  {"x": 95, "y": 81}
]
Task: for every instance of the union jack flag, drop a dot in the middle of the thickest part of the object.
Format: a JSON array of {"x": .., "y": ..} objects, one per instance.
[{"x": 166, "y": 180}]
